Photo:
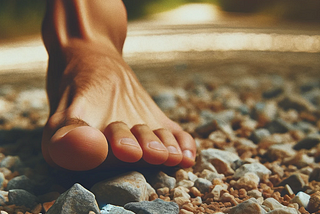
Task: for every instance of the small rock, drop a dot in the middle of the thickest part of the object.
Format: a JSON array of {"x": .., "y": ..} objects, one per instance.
[
  {"x": 21, "y": 182},
  {"x": 296, "y": 102},
  {"x": 20, "y": 197},
  {"x": 308, "y": 142},
  {"x": 259, "y": 134},
  {"x": 272, "y": 203},
  {"x": 279, "y": 126},
  {"x": 216, "y": 191},
  {"x": 248, "y": 181},
  {"x": 128, "y": 187},
  {"x": 165, "y": 100},
  {"x": 185, "y": 183},
  {"x": 180, "y": 192},
  {"x": 202, "y": 185},
  {"x": 157, "y": 206},
  {"x": 315, "y": 175},
  {"x": 272, "y": 93},
  {"x": 314, "y": 202},
  {"x": 181, "y": 174},
  {"x": 256, "y": 168},
  {"x": 280, "y": 151},
  {"x": 302, "y": 199},
  {"x": 2, "y": 179},
  {"x": 111, "y": 209},
  {"x": 284, "y": 210},
  {"x": 216, "y": 160},
  {"x": 295, "y": 181},
  {"x": 192, "y": 177},
  {"x": 11, "y": 162},
  {"x": 249, "y": 206},
  {"x": 75, "y": 200},
  {"x": 209, "y": 175},
  {"x": 163, "y": 180},
  {"x": 226, "y": 197},
  {"x": 254, "y": 193},
  {"x": 299, "y": 160},
  {"x": 3, "y": 197}
]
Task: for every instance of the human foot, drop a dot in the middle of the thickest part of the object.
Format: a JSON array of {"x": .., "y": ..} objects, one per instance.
[
  {"x": 101, "y": 90},
  {"x": 98, "y": 109}
]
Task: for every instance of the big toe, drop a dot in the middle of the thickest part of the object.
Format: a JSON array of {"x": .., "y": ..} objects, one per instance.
[{"x": 78, "y": 148}]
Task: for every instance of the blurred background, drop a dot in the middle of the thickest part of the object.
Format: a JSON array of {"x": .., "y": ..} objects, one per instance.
[{"x": 20, "y": 17}]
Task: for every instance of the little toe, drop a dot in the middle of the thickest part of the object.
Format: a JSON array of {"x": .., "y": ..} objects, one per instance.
[
  {"x": 188, "y": 148},
  {"x": 154, "y": 152},
  {"x": 123, "y": 143},
  {"x": 78, "y": 148},
  {"x": 169, "y": 141}
]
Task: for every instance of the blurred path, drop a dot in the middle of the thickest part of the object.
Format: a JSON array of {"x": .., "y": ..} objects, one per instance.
[{"x": 181, "y": 33}]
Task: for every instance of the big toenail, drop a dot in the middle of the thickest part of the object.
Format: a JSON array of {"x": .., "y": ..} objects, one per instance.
[
  {"x": 172, "y": 150},
  {"x": 129, "y": 142},
  {"x": 188, "y": 154},
  {"x": 156, "y": 145}
]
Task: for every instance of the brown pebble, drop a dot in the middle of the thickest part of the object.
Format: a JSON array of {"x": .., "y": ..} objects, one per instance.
[
  {"x": 37, "y": 208},
  {"x": 165, "y": 198},
  {"x": 314, "y": 202},
  {"x": 163, "y": 191},
  {"x": 47, "y": 205},
  {"x": 181, "y": 200},
  {"x": 153, "y": 196},
  {"x": 181, "y": 175},
  {"x": 195, "y": 192},
  {"x": 183, "y": 211}
]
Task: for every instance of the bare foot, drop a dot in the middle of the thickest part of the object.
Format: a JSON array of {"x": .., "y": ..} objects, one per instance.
[{"x": 98, "y": 109}]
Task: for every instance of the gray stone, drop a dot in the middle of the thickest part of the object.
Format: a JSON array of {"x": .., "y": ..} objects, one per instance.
[
  {"x": 259, "y": 134},
  {"x": 295, "y": 181},
  {"x": 202, "y": 185},
  {"x": 76, "y": 200},
  {"x": 305, "y": 127},
  {"x": 308, "y": 142},
  {"x": 21, "y": 182},
  {"x": 296, "y": 102},
  {"x": 249, "y": 206},
  {"x": 279, "y": 126},
  {"x": 111, "y": 209},
  {"x": 157, "y": 206},
  {"x": 11, "y": 162},
  {"x": 129, "y": 187},
  {"x": 165, "y": 100},
  {"x": 216, "y": 160},
  {"x": 20, "y": 197},
  {"x": 272, "y": 203},
  {"x": 256, "y": 168},
  {"x": 272, "y": 93},
  {"x": 163, "y": 180}
]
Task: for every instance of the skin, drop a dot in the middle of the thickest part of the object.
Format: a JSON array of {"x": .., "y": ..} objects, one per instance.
[{"x": 100, "y": 115}]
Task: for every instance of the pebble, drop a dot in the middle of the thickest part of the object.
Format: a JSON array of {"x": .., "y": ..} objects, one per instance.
[
  {"x": 272, "y": 93},
  {"x": 284, "y": 210},
  {"x": 217, "y": 161},
  {"x": 2, "y": 180},
  {"x": 256, "y": 168},
  {"x": 165, "y": 100},
  {"x": 280, "y": 151},
  {"x": 11, "y": 162},
  {"x": 216, "y": 191},
  {"x": 259, "y": 134},
  {"x": 111, "y": 209},
  {"x": 248, "y": 181},
  {"x": 192, "y": 177},
  {"x": 75, "y": 200},
  {"x": 314, "y": 202},
  {"x": 296, "y": 102},
  {"x": 180, "y": 192},
  {"x": 129, "y": 187},
  {"x": 181, "y": 174},
  {"x": 272, "y": 203},
  {"x": 308, "y": 142},
  {"x": 209, "y": 175},
  {"x": 21, "y": 182},
  {"x": 295, "y": 181},
  {"x": 20, "y": 197},
  {"x": 279, "y": 126},
  {"x": 185, "y": 183},
  {"x": 249, "y": 206},
  {"x": 161, "y": 179},
  {"x": 301, "y": 198},
  {"x": 315, "y": 174},
  {"x": 203, "y": 185},
  {"x": 157, "y": 206},
  {"x": 299, "y": 160}
]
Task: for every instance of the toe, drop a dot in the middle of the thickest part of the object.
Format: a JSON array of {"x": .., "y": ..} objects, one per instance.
[
  {"x": 169, "y": 141},
  {"x": 123, "y": 143},
  {"x": 78, "y": 148},
  {"x": 188, "y": 148},
  {"x": 154, "y": 152}
]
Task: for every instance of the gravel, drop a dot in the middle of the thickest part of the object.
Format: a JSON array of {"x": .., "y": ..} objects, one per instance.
[{"x": 258, "y": 152}]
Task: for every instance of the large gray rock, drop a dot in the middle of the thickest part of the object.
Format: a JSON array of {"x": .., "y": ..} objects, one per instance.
[
  {"x": 129, "y": 187},
  {"x": 157, "y": 206},
  {"x": 76, "y": 200}
]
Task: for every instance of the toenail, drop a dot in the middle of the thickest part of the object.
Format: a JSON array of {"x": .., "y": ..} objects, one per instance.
[
  {"x": 156, "y": 145},
  {"x": 188, "y": 154},
  {"x": 172, "y": 150},
  {"x": 129, "y": 142}
]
